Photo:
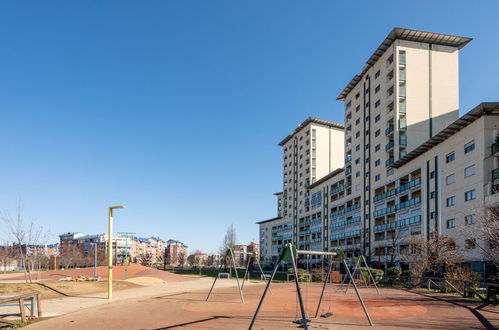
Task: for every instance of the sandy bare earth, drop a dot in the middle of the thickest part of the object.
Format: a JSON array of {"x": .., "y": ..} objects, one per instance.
[{"x": 182, "y": 305}]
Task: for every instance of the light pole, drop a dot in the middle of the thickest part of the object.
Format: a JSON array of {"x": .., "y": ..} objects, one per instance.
[
  {"x": 95, "y": 260},
  {"x": 110, "y": 251}
]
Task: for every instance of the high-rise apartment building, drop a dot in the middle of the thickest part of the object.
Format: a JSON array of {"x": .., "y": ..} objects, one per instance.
[
  {"x": 401, "y": 114},
  {"x": 312, "y": 151}
]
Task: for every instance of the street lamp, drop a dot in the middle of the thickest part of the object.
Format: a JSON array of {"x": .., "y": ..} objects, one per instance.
[{"x": 110, "y": 251}]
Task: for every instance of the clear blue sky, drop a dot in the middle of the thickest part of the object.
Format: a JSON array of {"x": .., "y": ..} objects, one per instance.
[{"x": 175, "y": 108}]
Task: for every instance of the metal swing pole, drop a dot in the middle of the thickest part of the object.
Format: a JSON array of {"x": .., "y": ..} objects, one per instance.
[
  {"x": 267, "y": 288},
  {"x": 358, "y": 294},
  {"x": 370, "y": 274},
  {"x": 298, "y": 291},
  {"x": 216, "y": 277},
  {"x": 323, "y": 288},
  {"x": 353, "y": 274},
  {"x": 246, "y": 271},
  {"x": 261, "y": 271},
  {"x": 237, "y": 276}
]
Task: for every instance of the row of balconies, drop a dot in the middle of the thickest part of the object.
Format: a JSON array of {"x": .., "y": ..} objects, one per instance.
[
  {"x": 310, "y": 231},
  {"x": 345, "y": 222},
  {"x": 397, "y": 207},
  {"x": 340, "y": 188},
  {"x": 349, "y": 234},
  {"x": 345, "y": 210},
  {"x": 309, "y": 222},
  {"x": 402, "y": 188},
  {"x": 279, "y": 237},
  {"x": 398, "y": 223}
]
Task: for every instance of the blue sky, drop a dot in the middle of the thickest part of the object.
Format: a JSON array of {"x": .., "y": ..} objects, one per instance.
[{"x": 175, "y": 108}]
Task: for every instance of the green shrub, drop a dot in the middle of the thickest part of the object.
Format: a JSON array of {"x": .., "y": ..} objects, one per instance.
[
  {"x": 406, "y": 278},
  {"x": 376, "y": 273},
  {"x": 394, "y": 275}
]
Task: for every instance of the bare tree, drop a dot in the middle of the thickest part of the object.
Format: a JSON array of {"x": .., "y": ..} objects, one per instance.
[
  {"x": 7, "y": 256},
  {"x": 181, "y": 258},
  {"x": 229, "y": 239},
  {"x": 25, "y": 235},
  {"x": 483, "y": 228},
  {"x": 432, "y": 255}
]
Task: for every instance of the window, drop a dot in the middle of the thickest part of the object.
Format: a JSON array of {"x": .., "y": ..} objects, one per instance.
[
  {"x": 357, "y": 161},
  {"x": 357, "y": 134},
  {"x": 357, "y": 147},
  {"x": 367, "y": 104},
  {"x": 377, "y": 118},
  {"x": 433, "y": 215},
  {"x": 357, "y": 174},
  {"x": 377, "y": 133},
  {"x": 349, "y": 104},
  {"x": 357, "y": 96},
  {"x": 376, "y": 90},
  {"x": 470, "y": 244},
  {"x": 450, "y": 157},
  {"x": 357, "y": 121},
  {"x": 433, "y": 194},
  {"x": 376, "y": 75},
  {"x": 377, "y": 177},
  {"x": 432, "y": 175},
  {"x": 469, "y": 219},
  {"x": 468, "y": 147},
  {"x": 469, "y": 195},
  {"x": 450, "y": 223},
  {"x": 377, "y": 148},
  {"x": 451, "y": 201},
  {"x": 469, "y": 171},
  {"x": 357, "y": 108},
  {"x": 377, "y": 104},
  {"x": 377, "y": 163},
  {"x": 450, "y": 179}
]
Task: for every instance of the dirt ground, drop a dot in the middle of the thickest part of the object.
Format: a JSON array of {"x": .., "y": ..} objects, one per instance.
[
  {"x": 187, "y": 309},
  {"x": 118, "y": 274},
  {"x": 59, "y": 289}
]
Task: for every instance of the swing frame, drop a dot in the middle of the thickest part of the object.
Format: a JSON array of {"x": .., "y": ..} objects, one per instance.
[
  {"x": 228, "y": 253},
  {"x": 371, "y": 277},
  {"x": 290, "y": 253}
]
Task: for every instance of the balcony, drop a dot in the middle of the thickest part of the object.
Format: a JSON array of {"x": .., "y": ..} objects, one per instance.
[
  {"x": 345, "y": 210},
  {"x": 345, "y": 222},
  {"x": 345, "y": 235},
  {"x": 389, "y": 145},
  {"x": 389, "y": 161},
  {"x": 402, "y": 108},
  {"x": 389, "y": 130},
  {"x": 398, "y": 207},
  {"x": 348, "y": 158},
  {"x": 495, "y": 148},
  {"x": 398, "y": 223}
]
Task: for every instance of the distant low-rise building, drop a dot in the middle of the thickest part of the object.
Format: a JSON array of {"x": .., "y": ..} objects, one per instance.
[{"x": 176, "y": 253}]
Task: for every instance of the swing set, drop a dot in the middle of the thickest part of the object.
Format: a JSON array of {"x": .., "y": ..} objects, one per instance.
[
  {"x": 290, "y": 254},
  {"x": 230, "y": 254}
]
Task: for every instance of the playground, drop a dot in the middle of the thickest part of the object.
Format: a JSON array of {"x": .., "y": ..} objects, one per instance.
[
  {"x": 184, "y": 306},
  {"x": 155, "y": 299}
]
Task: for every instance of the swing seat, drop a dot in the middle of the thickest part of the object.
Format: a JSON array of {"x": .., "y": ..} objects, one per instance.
[
  {"x": 326, "y": 315},
  {"x": 300, "y": 321}
]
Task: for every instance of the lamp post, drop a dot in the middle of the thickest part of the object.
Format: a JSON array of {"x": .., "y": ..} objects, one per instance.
[{"x": 110, "y": 251}]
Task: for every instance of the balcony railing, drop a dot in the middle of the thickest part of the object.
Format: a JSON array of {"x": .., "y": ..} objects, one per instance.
[
  {"x": 389, "y": 130},
  {"x": 345, "y": 210},
  {"x": 345, "y": 222},
  {"x": 398, "y": 223},
  {"x": 495, "y": 174},
  {"x": 340, "y": 188},
  {"x": 398, "y": 207},
  {"x": 495, "y": 147},
  {"x": 389, "y": 145},
  {"x": 346, "y": 235},
  {"x": 389, "y": 161}
]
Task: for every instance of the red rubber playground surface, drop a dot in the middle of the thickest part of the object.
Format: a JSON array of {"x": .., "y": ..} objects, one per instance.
[
  {"x": 118, "y": 274},
  {"x": 393, "y": 309}
]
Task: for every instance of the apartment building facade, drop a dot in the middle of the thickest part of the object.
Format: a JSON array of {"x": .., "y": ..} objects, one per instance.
[{"x": 406, "y": 97}]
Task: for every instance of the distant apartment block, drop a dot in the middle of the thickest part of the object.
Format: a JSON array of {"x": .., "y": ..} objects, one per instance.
[
  {"x": 176, "y": 253},
  {"x": 148, "y": 251},
  {"x": 402, "y": 164}
]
